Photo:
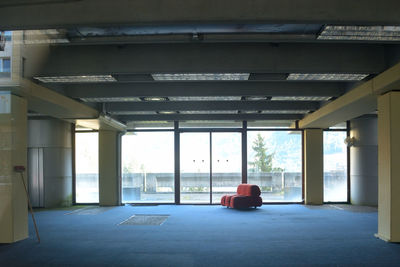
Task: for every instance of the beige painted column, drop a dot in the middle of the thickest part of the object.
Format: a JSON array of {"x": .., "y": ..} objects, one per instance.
[
  {"x": 389, "y": 167},
  {"x": 108, "y": 168},
  {"x": 313, "y": 167},
  {"x": 13, "y": 152}
]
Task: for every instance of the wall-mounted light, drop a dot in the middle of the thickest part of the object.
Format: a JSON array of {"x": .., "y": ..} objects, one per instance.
[{"x": 349, "y": 141}]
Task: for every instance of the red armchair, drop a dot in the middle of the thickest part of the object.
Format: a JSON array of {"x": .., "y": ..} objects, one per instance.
[{"x": 248, "y": 195}]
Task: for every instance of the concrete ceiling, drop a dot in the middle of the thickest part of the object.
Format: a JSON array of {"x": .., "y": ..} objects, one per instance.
[{"x": 131, "y": 40}]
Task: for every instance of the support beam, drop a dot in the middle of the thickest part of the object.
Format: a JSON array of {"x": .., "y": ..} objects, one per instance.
[
  {"x": 195, "y": 117},
  {"x": 388, "y": 167},
  {"x": 214, "y": 58},
  {"x": 120, "y": 107},
  {"x": 359, "y": 101},
  {"x": 13, "y": 147},
  {"x": 313, "y": 167},
  {"x": 108, "y": 168},
  {"x": 49, "y": 102},
  {"x": 204, "y": 88},
  {"x": 59, "y": 14}
]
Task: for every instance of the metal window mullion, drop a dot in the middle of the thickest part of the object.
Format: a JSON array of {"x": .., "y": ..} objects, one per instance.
[
  {"x": 244, "y": 153},
  {"x": 210, "y": 168},
  {"x": 177, "y": 180}
]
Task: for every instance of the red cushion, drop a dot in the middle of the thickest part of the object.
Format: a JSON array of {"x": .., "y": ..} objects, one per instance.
[
  {"x": 245, "y": 202},
  {"x": 249, "y": 190}
]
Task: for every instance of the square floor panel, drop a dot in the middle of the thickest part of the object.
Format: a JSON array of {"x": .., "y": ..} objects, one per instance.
[{"x": 145, "y": 219}]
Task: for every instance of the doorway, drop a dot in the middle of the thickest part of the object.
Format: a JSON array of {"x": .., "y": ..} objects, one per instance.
[{"x": 210, "y": 166}]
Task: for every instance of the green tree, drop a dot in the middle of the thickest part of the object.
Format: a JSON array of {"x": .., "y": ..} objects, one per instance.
[{"x": 262, "y": 160}]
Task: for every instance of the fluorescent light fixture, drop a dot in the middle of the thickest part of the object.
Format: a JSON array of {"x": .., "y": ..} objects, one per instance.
[
  {"x": 167, "y": 112},
  {"x": 132, "y": 112},
  {"x": 361, "y": 33},
  {"x": 76, "y": 79},
  {"x": 209, "y": 112},
  {"x": 256, "y": 98},
  {"x": 204, "y": 98},
  {"x": 154, "y": 99},
  {"x": 301, "y": 98},
  {"x": 326, "y": 76},
  {"x": 249, "y": 111},
  {"x": 110, "y": 99},
  {"x": 201, "y": 76},
  {"x": 285, "y": 111}
]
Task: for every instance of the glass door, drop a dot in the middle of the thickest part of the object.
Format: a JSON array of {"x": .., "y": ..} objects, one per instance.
[
  {"x": 226, "y": 164},
  {"x": 211, "y": 166},
  {"x": 195, "y": 167}
]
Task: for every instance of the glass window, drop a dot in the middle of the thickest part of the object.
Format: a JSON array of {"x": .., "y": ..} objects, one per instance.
[
  {"x": 6, "y": 65},
  {"x": 87, "y": 167},
  {"x": 148, "y": 167},
  {"x": 275, "y": 164},
  {"x": 335, "y": 166}
]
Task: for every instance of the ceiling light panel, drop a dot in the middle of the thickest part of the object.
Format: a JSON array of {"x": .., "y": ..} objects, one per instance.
[
  {"x": 110, "y": 99},
  {"x": 301, "y": 98},
  {"x": 204, "y": 98},
  {"x": 256, "y": 98},
  {"x": 154, "y": 99},
  {"x": 367, "y": 33},
  {"x": 209, "y": 112},
  {"x": 76, "y": 79},
  {"x": 167, "y": 112},
  {"x": 201, "y": 77},
  {"x": 133, "y": 112},
  {"x": 326, "y": 76},
  {"x": 249, "y": 111},
  {"x": 285, "y": 111}
]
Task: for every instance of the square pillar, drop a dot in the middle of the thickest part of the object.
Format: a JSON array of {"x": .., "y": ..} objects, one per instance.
[
  {"x": 389, "y": 167},
  {"x": 313, "y": 167},
  {"x": 108, "y": 168},
  {"x": 13, "y": 152}
]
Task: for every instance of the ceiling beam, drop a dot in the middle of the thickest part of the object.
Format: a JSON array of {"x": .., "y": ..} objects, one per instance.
[
  {"x": 194, "y": 117},
  {"x": 19, "y": 14},
  {"x": 228, "y": 88},
  {"x": 214, "y": 58},
  {"x": 210, "y": 105},
  {"x": 357, "y": 102}
]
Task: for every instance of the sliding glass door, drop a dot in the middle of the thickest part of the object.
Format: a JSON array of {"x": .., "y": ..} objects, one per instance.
[
  {"x": 195, "y": 167},
  {"x": 210, "y": 166},
  {"x": 226, "y": 164}
]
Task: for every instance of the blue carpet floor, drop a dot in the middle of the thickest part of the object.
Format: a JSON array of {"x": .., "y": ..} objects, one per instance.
[{"x": 273, "y": 235}]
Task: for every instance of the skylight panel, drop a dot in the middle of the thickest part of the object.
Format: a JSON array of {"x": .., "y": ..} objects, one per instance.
[
  {"x": 76, "y": 79},
  {"x": 367, "y": 33},
  {"x": 201, "y": 76},
  {"x": 327, "y": 76},
  {"x": 301, "y": 98},
  {"x": 110, "y": 99},
  {"x": 284, "y": 111},
  {"x": 204, "y": 98},
  {"x": 209, "y": 112}
]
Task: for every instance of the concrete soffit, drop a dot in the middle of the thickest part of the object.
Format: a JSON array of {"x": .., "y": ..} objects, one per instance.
[
  {"x": 47, "y": 102},
  {"x": 357, "y": 102}
]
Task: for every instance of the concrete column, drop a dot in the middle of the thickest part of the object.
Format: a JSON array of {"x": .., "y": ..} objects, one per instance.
[
  {"x": 108, "y": 168},
  {"x": 313, "y": 167},
  {"x": 389, "y": 167},
  {"x": 13, "y": 142},
  {"x": 364, "y": 161}
]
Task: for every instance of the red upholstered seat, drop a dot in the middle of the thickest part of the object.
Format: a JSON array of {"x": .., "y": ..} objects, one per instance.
[{"x": 247, "y": 196}]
